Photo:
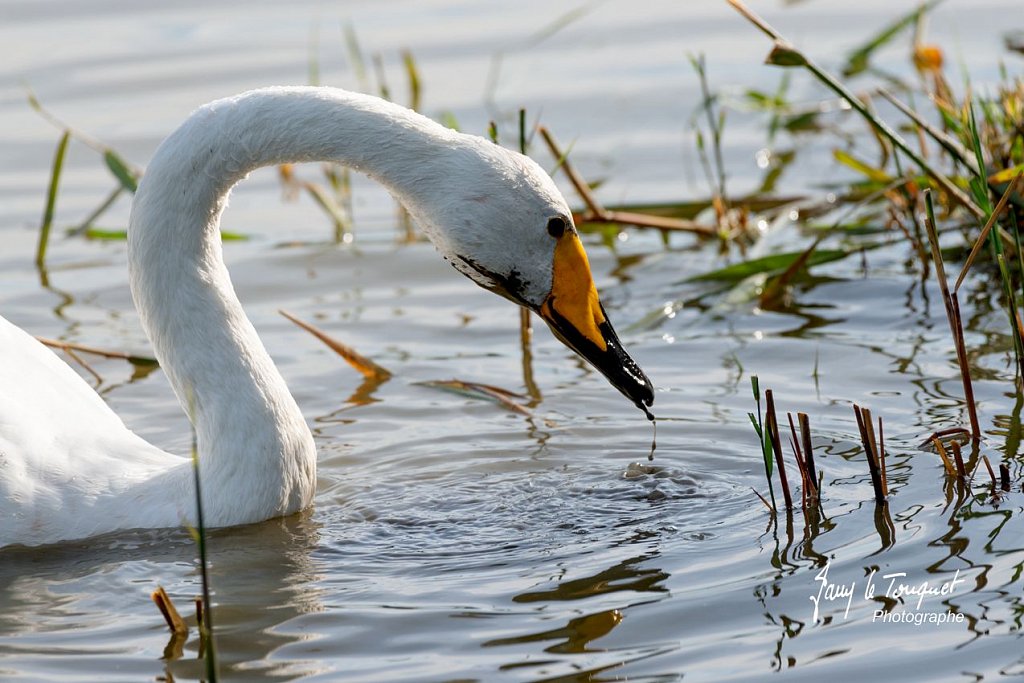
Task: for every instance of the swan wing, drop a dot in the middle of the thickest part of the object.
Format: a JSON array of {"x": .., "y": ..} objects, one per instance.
[{"x": 68, "y": 464}]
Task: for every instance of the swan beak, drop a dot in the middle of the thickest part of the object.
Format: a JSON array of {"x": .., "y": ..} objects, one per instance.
[{"x": 574, "y": 313}]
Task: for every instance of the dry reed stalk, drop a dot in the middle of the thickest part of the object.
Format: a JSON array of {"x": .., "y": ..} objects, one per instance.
[
  {"x": 805, "y": 436},
  {"x": 941, "y": 450},
  {"x": 643, "y": 220},
  {"x": 804, "y": 486},
  {"x": 985, "y": 230},
  {"x": 503, "y": 397},
  {"x": 881, "y": 456},
  {"x": 81, "y": 361},
  {"x": 950, "y": 144},
  {"x": 766, "y": 503},
  {"x": 949, "y": 431},
  {"x": 876, "y": 450},
  {"x": 863, "y": 416},
  {"x": 952, "y": 306},
  {"x": 801, "y": 460},
  {"x": 965, "y": 371},
  {"x": 68, "y": 347},
  {"x": 1004, "y": 476},
  {"x": 366, "y": 367},
  {"x": 958, "y": 457},
  {"x": 988, "y": 466},
  {"x": 167, "y": 609},
  {"x": 772, "y": 424},
  {"x": 596, "y": 213}
]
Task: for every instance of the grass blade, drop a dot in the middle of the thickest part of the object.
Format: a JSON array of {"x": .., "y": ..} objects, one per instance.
[
  {"x": 415, "y": 84},
  {"x": 875, "y": 175},
  {"x": 355, "y": 55},
  {"x": 857, "y": 104},
  {"x": 947, "y": 142},
  {"x": 484, "y": 392},
  {"x": 857, "y": 61},
  {"x": 952, "y": 315},
  {"x": 363, "y": 365},
  {"x": 51, "y": 198},
  {"x": 772, "y": 264},
  {"x": 984, "y": 231},
  {"x": 120, "y": 170}
]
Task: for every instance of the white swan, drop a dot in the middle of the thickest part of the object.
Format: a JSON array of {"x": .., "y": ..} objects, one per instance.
[{"x": 70, "y": 469}]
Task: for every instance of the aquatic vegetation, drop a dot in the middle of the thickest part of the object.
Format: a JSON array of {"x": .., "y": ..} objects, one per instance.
[{"x": 575, "y": 563}]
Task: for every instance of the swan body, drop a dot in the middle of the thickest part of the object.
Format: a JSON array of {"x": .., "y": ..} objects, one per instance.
[{"x": 69, "y": 468}]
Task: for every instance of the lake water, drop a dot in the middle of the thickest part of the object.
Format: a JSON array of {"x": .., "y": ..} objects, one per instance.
[{"x": 452, "y": 540}]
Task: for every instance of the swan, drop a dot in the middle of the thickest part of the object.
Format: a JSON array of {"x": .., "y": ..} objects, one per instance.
[{"x": 70, "y": 469}]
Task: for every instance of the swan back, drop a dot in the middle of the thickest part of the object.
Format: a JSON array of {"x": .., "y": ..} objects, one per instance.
[{"x": 67, "y": 460}]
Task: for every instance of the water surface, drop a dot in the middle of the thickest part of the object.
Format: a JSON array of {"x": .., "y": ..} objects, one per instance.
[{"x": 451, "y": 539}]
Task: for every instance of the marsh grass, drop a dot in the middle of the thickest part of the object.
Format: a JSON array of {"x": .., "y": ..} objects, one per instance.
[
  {"x": 595, "y": 213},
  {"x": 766, "y": 427},
  {"x": 951, "y": 304},
  {"x": 959, "y": 172},
  {"x": 204, "y": 616},
  {"x": 980, "y": 143},
  {"x": 785, "y": 54},
  {"x": 772, "y": 427},
  {"x": 763, "y": 439},
  {"x": 51, "y": 198},
  {"x": 332, "y": 194}
]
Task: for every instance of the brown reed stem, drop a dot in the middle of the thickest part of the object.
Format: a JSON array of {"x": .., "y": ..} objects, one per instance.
[
  {"x": 69, "y": 347},
  {"x": 988, "y": 466},
  {"x": 766, "y": 503},
  {"x": 869, "y": 427},
  {"x": 805, "y": 488},
  {"x": 801, "y": 460},
  {"x": 946, "y": 141},
  {"x": 580, "y": 185},
  {"x": 863, "y": 416},
  {"x": 805, "y": 436},
  {"x": 940, "y": 449},
  {"x": 965, "y": 370},
  {"x": 958, "y": 457},
  {"x": 952, "y": 305},
  {"x": 1004, "y": 476},
  {"x": 772, "y": 424},
  {"x": 881, "y": 457},
  {"x": 596, "y": 213},
  {"x": 169, "y": 612},
  {"x": 949, "y": 431}
]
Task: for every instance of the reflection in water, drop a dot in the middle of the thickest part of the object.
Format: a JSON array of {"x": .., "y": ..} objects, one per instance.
[
  {"x": 262, "y": 576},
  {"x": 576, "y": 636},
  {"x": 928, "y": 509},
  {"x": 624, "y": 576},
  {"x": 525, "y": 343}
]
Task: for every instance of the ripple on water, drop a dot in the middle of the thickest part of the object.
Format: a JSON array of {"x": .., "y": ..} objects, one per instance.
[{"x": 507, "y": 526}]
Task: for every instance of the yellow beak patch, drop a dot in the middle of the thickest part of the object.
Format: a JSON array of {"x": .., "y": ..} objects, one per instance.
[{"x": 573, "y": 296}]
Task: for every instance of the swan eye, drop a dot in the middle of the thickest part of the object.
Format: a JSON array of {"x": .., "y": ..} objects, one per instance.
[{"x": 556, "y": 227}]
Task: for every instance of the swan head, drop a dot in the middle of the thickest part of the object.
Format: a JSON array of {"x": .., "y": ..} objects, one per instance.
[{"x": 503, "y": 223}]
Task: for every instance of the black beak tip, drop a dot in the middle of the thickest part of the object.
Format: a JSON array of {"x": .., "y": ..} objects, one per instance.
[
  {"x": 637, "y": 387},
  {"x": 624, "y": 373},
  {"x": 613, "y": 362}
]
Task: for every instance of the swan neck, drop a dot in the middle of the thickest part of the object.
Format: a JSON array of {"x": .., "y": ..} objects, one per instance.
[{"x": 248, "y": 425}]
